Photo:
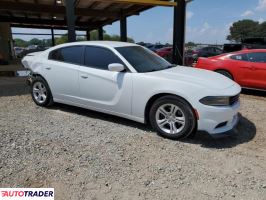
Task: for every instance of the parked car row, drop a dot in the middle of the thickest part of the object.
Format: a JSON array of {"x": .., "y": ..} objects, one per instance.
[
  {"x": 20, "y": 52},
  {"x": 247, "y": 67}
]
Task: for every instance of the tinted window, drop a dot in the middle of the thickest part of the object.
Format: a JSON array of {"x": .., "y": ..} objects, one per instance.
[
  {"x": 68, "y": 54},
  {"x": 98, "y": 57},
  {"x": 217, "y": 50},
  {"x": 257, "y": 57},
  {"x": 142, "y": 59},
  {"x": 242, "y": 57},
  {"x": 205, "y": 49}
]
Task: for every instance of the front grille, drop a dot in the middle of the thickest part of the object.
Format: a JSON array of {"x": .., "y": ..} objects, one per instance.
[{"x": 234, "y": 99}]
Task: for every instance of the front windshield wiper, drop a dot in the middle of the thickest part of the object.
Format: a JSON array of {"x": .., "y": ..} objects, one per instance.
[{"x": 168, "y": 67}]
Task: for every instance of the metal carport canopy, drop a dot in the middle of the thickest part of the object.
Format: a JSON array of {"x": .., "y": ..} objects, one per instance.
[{"x": 89, "y": 15}]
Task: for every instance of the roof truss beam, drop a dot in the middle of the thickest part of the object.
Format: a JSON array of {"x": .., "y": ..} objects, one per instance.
[
  {"x": 41, "y": 8},
  {"x": 48, "y": 22},
  {"x": 143, "y": 2}
]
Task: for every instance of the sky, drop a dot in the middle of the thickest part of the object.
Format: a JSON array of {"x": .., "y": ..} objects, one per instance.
[{"x": 208, "y": 21}]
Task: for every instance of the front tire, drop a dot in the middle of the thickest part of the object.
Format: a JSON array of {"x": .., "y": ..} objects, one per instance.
[
  {"x": 41, "y": 93},
  {"x": 172, "y": 117}
]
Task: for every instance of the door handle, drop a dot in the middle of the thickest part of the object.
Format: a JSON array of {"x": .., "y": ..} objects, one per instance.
[
  {"x": 84, "y": 76},
  {"x": 48, "y": 68}
]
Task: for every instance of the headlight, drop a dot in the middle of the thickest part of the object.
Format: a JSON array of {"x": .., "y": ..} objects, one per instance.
[{"x": 215, "y": 101}]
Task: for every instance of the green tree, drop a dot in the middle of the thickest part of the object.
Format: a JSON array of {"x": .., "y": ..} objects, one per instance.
[
  {"x": 64, "y": 39},
  {"x": 244, "y": 29},
  {"x": 20, "y": 43},
  {"x": 61, "y": 40},
  {"x": 35, "y": 41},
  {"x": 190, "y": 44},
  {"x": 262, "y": 29}
]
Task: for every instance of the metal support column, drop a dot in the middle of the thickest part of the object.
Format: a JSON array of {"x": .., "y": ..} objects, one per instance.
[
  {"x": 53, "y": 39},
  {"x": 100, "y": 33},
  {"x": 71, "y": 18},
  {"x": 179, "y": 32},
  {"x": 88, "y": 35},
  {"x": 123, "y": 28}
]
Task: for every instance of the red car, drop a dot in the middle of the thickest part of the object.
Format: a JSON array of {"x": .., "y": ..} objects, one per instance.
[
  {"x": 246, "y": 67},
  {"x": 164, "y": 52},
  {"x": 167, "y": 52}
]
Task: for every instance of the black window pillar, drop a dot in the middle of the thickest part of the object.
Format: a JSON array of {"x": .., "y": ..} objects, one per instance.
[
  {"x": 88, "y": 35},
  {"x": 53, "y": 39},
  {"x": 100, "y": 33},
  {"x": 71, "y": 18},
  {"x": 123, "y": 28},
  {"x": 179, "y": 32}
]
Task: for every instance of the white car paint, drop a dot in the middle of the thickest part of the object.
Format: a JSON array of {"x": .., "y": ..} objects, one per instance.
[{"x": 127, "y": 94}]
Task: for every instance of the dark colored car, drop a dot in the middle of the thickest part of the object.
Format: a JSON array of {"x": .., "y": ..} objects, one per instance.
[
  {"x": 248, "y": 43},
  {"x": 206, "y": 52},
  {"x": 32, "y": 50},
  {"x": 232, "y": 48}
]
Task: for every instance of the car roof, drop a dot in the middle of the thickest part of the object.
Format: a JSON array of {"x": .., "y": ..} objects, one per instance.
[
  {"x": 238, "y": 52},
  {"x": 112, "y": 44},
  {"x": 251, "y": 50}
]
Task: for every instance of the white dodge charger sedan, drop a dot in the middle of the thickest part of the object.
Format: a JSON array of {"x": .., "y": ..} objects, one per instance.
[{"x": 131, "y": 81}]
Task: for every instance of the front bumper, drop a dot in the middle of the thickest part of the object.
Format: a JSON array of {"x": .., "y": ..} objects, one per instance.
[{"x": 217, "y": 120}]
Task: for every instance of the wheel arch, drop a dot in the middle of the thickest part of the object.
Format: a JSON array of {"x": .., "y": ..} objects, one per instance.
[
  {"x": 35, "y": 75},
  {"x": 153, "y": 98},
  {"x": 226, "y": 70}
]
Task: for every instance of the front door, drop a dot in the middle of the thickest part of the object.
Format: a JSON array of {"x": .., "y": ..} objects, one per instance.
[{"x": 100, "y": 88}]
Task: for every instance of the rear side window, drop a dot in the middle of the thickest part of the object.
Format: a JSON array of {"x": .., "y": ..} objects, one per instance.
[
  {"x": 99, "y": 57},
  {"x": 259, "y": 57},
  {"x": 242, "y": 57},
  {"x": 72, "y": 55}
]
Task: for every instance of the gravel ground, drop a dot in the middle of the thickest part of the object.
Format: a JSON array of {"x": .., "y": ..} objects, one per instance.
[{"x": 89, "y": 155}]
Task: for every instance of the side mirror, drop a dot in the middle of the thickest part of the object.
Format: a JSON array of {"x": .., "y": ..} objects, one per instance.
[{"x": 116, "y": 67}]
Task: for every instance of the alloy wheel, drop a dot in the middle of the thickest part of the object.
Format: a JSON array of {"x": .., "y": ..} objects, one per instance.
[
  {"x": 170, "y": 118},
  {"x": 39, "y": 92}
]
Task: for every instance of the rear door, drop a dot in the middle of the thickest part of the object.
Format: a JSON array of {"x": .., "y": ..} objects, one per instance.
[
  {"x": 103, "y": 89},
  {"x": 61, "y": 72}
]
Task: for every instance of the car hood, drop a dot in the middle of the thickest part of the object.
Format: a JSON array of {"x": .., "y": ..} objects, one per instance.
[{"x": 200, "y": 77}]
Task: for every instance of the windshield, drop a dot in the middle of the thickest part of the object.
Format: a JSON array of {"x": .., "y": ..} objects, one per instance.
[{"x": 142, "y": 59}]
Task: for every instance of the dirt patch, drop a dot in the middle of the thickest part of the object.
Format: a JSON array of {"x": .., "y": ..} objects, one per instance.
[{"x": 89, "y": 155}]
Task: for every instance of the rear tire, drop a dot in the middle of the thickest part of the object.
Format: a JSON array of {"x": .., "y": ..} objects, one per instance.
[
  {"x": 41, "y": 93},
  {"x": 172, "y": 117},
  {"x": 225, "y": 73}
]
